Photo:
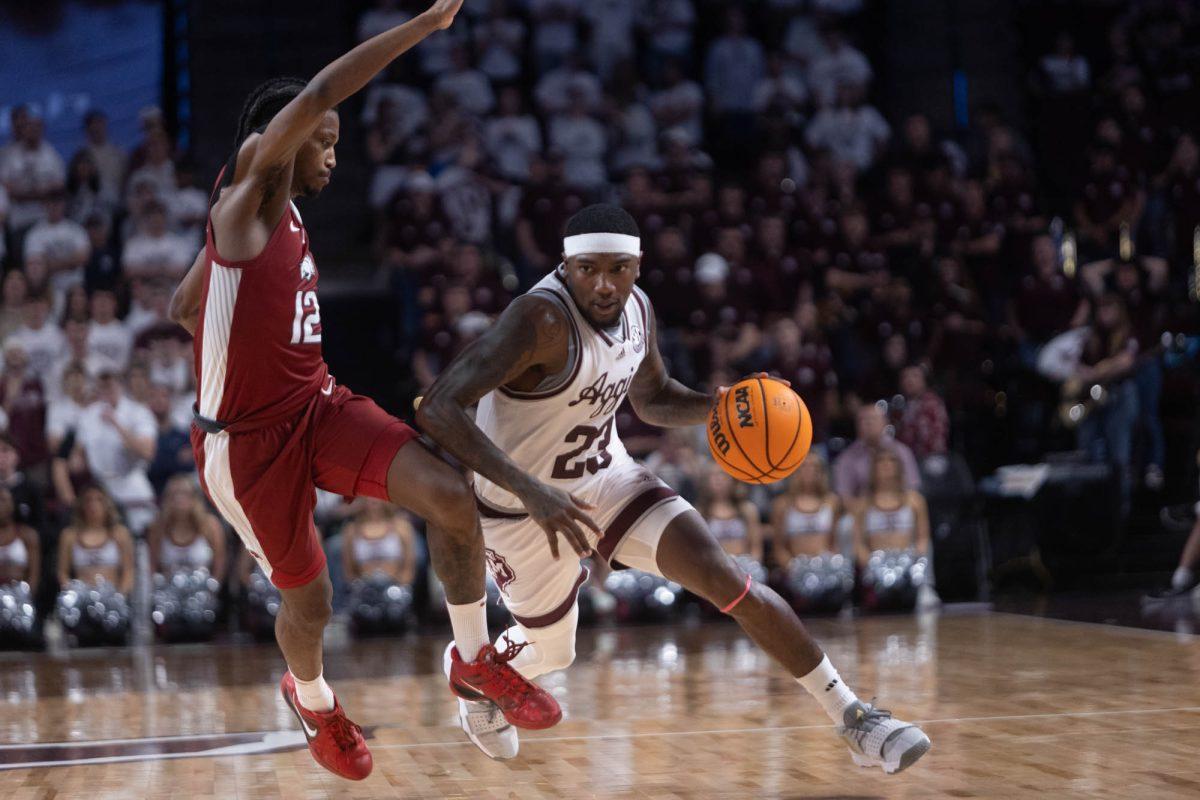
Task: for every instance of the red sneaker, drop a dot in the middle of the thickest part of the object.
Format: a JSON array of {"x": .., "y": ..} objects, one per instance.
[
  {"x": 489, "y": 677},
  {"x": 335, "y": 742}
]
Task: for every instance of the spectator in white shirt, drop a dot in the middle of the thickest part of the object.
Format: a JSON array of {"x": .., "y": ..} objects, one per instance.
[
  {"x": 386, "y": 15},
  {"x": 680, "y": 103},
  {"x": 76, "y": 352},
  {"x": 853, "y": 131},
  {"x": 500, "y": 40},
  {"x": 65, "y": 410},
  {"x": 470, "y": 88},
  {"x": 632, "y": 128},
  {"x": 668, "y": 24},
  {"x": 781, "y": 91},
  {"x": 553, "y": 92},
  {"x": 158, "y": 166},
  {"x": 85, "y": 192},
  {"x": 1064, "y": 69},
  {"x": 148, "y": 303},
  {"x": 57, "y": 248},
  {"x": 108, "y": 338},
  {"x": 155, "y": 252},
  {"x": 40, "y": 337},
  {"x": 117, "y": 437},
  {"x": 30, "y": 169},
  {"x": 554, "y": 30},
  {"x": 583, "y": 143},
  {"x": 839, "y": 65},
  {"x": 187, "y": 206},
  {"x": 512, "y": 137},
  {"x": 735, "y": 63},
  {"x": 612, "y": 40},
  {"x": 108, "y": 158}
]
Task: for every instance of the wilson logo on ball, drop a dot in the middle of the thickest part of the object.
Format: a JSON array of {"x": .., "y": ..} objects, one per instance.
[
  {"x": 718, "y": 436},
  {"x": 741, "y": 401}
]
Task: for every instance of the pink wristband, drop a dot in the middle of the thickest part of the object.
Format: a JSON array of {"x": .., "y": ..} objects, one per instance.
[{"x": 739, "y": 598}]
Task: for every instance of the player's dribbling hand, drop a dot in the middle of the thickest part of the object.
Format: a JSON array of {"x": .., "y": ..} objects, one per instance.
[
  {"x": 724, "y": 390},
  {"x": 442, "y": 13},
  {"x": 559, "y": 512}
]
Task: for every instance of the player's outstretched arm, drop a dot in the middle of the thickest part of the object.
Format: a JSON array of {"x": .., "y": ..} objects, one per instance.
[
  {"x": 659, "y": 399},
  {"x": 295, "y": 123},
  {"x": 184, "y": 309},
  {"x": 532, "y": 333}
]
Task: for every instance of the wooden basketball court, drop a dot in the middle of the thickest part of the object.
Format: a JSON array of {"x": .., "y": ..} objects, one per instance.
[{"x": 1017, "y": 707}]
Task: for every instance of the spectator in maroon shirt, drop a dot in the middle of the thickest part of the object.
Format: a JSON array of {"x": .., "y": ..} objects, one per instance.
[
  {"x": 1109, "y": 199},
  {"x": 1181, "y": 183},
  {"x": 924, "y": 426},
  {"x": 24, "y": 402},
  {"x": 1047, "y": 303},
  {"x": 855, "y": 266},
  {"x": 800, "y": 356},
  {"x": 667, "y": 277}
]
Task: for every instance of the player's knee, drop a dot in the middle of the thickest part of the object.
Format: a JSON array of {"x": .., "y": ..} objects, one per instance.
[
  {"x": 309, "y": 607},
  {"x": 453, "y": 505}
]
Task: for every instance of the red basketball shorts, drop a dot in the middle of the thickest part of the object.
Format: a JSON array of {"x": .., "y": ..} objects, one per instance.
[{"x": 264, "y": 481}]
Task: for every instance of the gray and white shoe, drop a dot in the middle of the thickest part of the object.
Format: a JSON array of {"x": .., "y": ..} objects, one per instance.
[
  {"x": 876, "y": 739},
  {"x": 484, "y": 723}
]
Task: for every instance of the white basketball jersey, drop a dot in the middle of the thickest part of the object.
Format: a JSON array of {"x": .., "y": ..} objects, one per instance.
[{"x": 564, "y": 433}]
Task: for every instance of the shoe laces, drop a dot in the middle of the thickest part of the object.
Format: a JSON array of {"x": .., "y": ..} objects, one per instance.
[
  {"x": 513, "y": 681},
  {"x": 869, "y": 719},
  {"x": 345, "y": 733}
]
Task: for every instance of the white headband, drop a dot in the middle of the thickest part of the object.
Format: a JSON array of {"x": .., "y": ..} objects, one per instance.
[{"x": 601, "y": 243}]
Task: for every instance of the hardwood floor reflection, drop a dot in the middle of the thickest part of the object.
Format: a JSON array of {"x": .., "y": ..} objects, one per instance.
[{"x": 1015, "y": 706}]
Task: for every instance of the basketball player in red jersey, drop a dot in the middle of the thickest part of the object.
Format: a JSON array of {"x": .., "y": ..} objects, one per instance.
[
  {"x": 272, "y": 424},
  {"x": 548, "y": 379}
]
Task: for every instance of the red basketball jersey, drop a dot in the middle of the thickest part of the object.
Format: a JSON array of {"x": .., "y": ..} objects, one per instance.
[{"x": 258, "y": 340}]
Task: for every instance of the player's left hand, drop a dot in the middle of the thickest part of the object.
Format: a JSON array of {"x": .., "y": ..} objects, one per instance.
[
  {"x": 442, "y": 13},
  {"x": 723, "y": 390}
]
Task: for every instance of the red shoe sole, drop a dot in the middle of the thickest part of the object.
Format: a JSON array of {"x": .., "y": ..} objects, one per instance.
[{"x": 474, "y": 696}]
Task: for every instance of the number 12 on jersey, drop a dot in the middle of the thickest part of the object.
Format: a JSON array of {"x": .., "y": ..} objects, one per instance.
[{"x": 307, "y": 322}]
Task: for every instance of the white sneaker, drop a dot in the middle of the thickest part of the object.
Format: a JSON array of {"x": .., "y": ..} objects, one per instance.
[
  {"x": 876, "y": 739},
  {"x": 927, "y": 598},
  {"x": 484, "y": 723}
]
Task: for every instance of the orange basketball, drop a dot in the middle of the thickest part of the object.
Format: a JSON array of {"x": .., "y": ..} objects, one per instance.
[{"x": 760, "y": 431}]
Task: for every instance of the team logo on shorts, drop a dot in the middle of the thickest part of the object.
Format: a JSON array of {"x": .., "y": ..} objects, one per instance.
[
  {"x": 502, "y": 573},
  {"x": 308, "y": 268}
]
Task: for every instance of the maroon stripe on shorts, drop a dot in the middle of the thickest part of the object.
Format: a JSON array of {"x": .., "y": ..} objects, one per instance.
[
  {"x": 632, "y": 512},
  {"x": 488, "y": 511},
  {"x": 560, "y": 611}
]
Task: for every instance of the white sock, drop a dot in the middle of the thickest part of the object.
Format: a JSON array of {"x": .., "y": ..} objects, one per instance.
[
  {"x": 828, "y": 689},
  {"x": 1182, "y": 578},
  {"x": 315, "y": 695},
  {"x": 469, "y": 624}
]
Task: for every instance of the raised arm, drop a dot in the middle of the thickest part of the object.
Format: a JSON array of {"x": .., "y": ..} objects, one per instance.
[
  {"x": 528, "y": 340},
  {"x": 659, "y": 399},
  {"x": 289, "y": 129}
]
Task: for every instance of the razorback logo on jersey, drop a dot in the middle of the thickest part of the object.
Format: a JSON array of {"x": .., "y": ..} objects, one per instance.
[
  {"x": 607, "y": 395},
  {"x": 308, "y": 268},
  {"x": 502, "y": 572}
]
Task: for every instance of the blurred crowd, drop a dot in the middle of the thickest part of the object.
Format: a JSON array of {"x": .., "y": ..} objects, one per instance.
[{"x": 937, "y": 291}]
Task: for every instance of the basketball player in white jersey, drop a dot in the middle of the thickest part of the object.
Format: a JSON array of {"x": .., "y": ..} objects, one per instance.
[{"x": 548, "y": 378}]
